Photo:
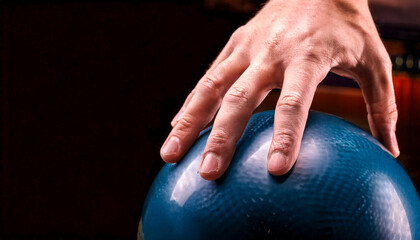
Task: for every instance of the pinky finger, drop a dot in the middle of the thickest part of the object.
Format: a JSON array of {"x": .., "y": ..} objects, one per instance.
[{"x": 184, "y": 106}]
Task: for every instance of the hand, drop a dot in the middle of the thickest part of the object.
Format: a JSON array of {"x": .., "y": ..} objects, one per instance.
[{"x": 290, "y": 45}]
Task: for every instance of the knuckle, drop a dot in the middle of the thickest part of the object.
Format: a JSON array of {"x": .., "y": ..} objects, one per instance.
[
  {"x": 219, "y": 137},
  {"x": 392, "y": 109},
  {"x": 192, "y": 93},
  {"x": 185, "y": 123},
  {"x": 237, "y": 95},
  {"x": 385, "y": 107},
  {"x": 316, "y": 58},
  {"x": 387, "y": 116},
  {"x": 394, "y": 112},
  {"x": 383, "y": 60},
  {"x": 272, "y": 42},
  {"x": 237, "y": 35},
  {"x": 387, "y": 63},
  {"x": 284, "y": 141},
  {"x": 314, "y": 64},
  {"x": 291, "y": 102},
  {"x": 211, "y": 83}
]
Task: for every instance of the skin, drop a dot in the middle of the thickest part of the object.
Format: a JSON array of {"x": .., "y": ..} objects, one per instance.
[{"x": 288, "y": 45}]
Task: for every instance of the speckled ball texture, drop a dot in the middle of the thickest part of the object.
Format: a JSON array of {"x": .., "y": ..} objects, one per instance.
[{"x": 344, "y": 185}]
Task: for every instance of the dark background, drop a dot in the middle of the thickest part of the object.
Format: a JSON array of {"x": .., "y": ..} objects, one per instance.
[
  {"x": 88, "y": 89},
  {"x": 88, "y": 92}
]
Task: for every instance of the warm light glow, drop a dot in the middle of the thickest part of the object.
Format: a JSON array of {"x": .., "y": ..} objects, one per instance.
[
  {"x": 410, "y": 62},
  {"x": 399, "y": 61}
]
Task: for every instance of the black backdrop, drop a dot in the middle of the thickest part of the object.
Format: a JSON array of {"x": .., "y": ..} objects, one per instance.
[{"x": 88, "y": 89}]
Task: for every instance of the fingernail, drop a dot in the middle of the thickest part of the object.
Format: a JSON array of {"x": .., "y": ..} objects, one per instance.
[
  {"x": 395, "y": 144},
  {"x": 276, "y": 162},
  {"x": 210, "y": 163},
  {"x": 176, "y": 118},
  {"x": 171, "y": 146}
]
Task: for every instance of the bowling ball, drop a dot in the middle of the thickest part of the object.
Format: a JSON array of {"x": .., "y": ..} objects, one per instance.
[{"x": 344, "y": 185}]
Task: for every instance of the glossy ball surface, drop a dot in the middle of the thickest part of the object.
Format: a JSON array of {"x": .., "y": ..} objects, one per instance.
[{"x": 344, "y": 185}]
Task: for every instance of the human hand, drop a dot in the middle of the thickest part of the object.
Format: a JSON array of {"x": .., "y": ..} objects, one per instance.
[{"x": 290, "y": 45}]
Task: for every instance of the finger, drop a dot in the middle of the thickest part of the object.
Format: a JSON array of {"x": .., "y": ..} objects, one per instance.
[
  {"x": 228, "y": 49},
  {"x": 224, "y": 54},
  {"x": 237, "y": 106},
  {"x": 378, "y": 92},
  {"x": 202, "y": 107},
  {"x": 299, "y": 85},
  {"x": 181, "y": 111}
]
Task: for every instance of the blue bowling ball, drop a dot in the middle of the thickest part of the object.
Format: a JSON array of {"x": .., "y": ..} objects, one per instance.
[{"x": 344, "y": 185}]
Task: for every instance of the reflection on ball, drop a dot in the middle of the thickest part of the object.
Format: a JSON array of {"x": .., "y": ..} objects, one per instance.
[{"x": 344, "y": 185}]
